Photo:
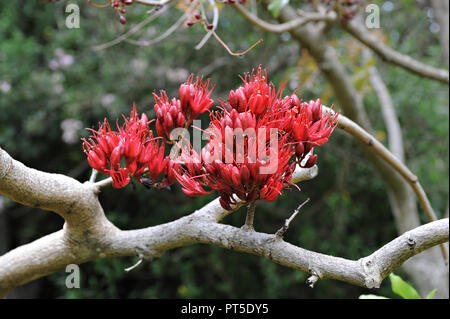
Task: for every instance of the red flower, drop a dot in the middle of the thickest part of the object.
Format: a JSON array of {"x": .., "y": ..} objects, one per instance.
[
  {"x": 309, "y": 128},
  {"x": 169, "y": 115},
  {"x": 131, "y": 151},
  {"x": 195, "y": 97},
  {"x": 239, "y": 159},
  {"x": 120, "y": 177},
  {"x": 256, "y": 95},
  {"x": 179, "y": 113},
  {"x": 238, "y": 164}
]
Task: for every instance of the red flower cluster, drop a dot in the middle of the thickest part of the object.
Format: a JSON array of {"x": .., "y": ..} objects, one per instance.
[
  {"x": 194, "y": 99},
  {"x": 129, "y": 152},
  {"x": 256, "y": 141}
]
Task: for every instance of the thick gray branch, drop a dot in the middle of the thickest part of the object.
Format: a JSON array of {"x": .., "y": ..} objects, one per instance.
[
  {"x": 87, "y": 234},
  {"x": 78, "y": 243},
  {"x": 77, "y": 203}
]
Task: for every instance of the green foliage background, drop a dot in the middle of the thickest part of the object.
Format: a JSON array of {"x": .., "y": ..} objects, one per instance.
[{"x": 349, "y": 213}]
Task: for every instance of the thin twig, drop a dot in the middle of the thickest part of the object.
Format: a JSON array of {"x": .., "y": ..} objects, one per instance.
[
  {"x": 280, "y": 233},
  {"x": 231, "y": 52},
  {"x": 165, "y": 34},
  {"x": 214, "y": 23},
  {"x": 152, "y": 2},
  {"x": 98, "y": 5},
  {"x": 93, "y": 176},
  {"x": 130, "y": 32},
  {"x": 312, "y": 280},
  {"x": 134, "y": 266},
  {"x": 103, "y": 183},
  {"x": 283, "y": 27}
]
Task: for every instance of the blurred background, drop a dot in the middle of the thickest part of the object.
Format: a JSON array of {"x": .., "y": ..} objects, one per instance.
[{"x": 53, "y": 85}]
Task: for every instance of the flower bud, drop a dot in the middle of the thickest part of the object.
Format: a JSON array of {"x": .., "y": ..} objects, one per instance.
[
  {"x": 116, "y": 156},
  {"x": 311, "y": 161},
  {"x": 316, "y": 110},
  {"x": 168, "y": 122},
  {"x": 160, "y": 129},
  {"x": 299, "y": 149},
  {"x": 257, "y": 104}
]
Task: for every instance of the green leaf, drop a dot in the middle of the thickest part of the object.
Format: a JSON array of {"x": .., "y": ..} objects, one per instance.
[
  {"x": 275, "y": 7},
  {"x": 431, "y": 294},
  {"x": 372, "y": 297},
  {"x": 403, "y": 289}
]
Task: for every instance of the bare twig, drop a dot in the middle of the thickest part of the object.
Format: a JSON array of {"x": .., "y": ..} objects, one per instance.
[
  {"x": 93, "y": 176},
  {"x": 311, "y": 281},
  {"x": 98, "y": 5},
  {"x": 132, "y": 31},
  {"x": 229, "y": 50},
  {"x": 164, "y": 35},
  {"x": 153, "y": 2},
  {"x": 280, "y": 233},
  {"x": 103, "y": 183},
  {"x": 214, "y": 23},
  {"x": 134, "y": 266}
]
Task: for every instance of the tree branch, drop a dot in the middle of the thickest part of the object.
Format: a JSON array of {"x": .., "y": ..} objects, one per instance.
[
  {"x": 131, "y": 31},
  {"x": 250, "y": 217},
  {"x": 363, "y": 136},
  {"x": 280, "y": 232},
  {"x": 51, "y": 252},
  {"x": 55, "y": 251},
  {"x": 394, "y": 131},
  {"x": 283, "y": 27},
  {"x": 354, "y": 129},
  {"x": 214, "y": 25},
  {"x": 388, "y": 54},
  {"x": 87, "y": 234},
  {"x": 53, "y": 192},
  {"x": 153, "y": 2},
  {"x": 366, "y": 272},
  {"x": 356, "y": 30}
]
